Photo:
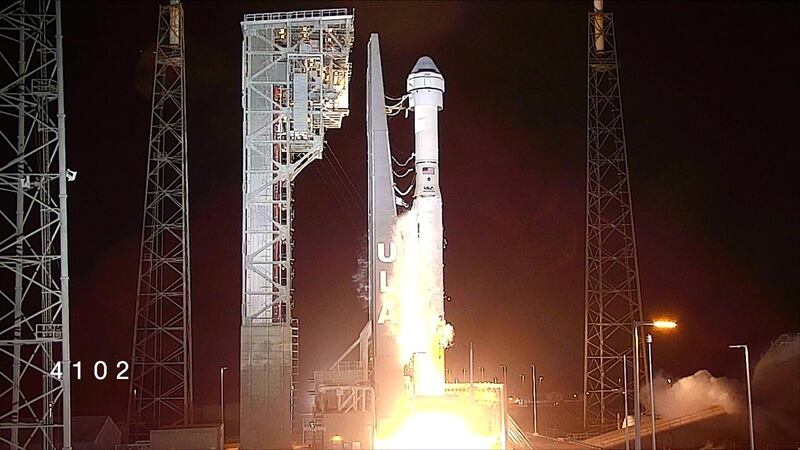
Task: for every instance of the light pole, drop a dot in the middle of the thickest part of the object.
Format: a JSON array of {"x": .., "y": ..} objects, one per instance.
[
  {"x": 505, "y": 373},
  {"x": 649, "y": 340},
  {"x": 749, "y": 394},
  {"x": 637, "y": 410},
  {"x": 533, "y": 398},
  {"x": 482, "y": 369},
  {"x": 625, "y": 398},
  {"x": 222, "y": 400}
]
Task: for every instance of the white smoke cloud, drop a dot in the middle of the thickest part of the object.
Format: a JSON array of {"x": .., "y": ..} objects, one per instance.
[
  {"x": 415, "y": 322},
  {"x": 694, "y": 393},
  {"x": 361, "y": 280},
  {"x": 776, "y": 392},
  {"x": 775, "y": 386}
]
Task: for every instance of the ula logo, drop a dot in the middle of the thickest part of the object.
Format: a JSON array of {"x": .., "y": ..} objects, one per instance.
[{"x": 384, "y": 277}]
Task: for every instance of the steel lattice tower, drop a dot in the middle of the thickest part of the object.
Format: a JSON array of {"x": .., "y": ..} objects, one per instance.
[
  {"x": 161, "y": 377},
  {"x": 34, "y": 314},
  {"x": 613, "y": 300},
  {"x": 295, "y": 77}
]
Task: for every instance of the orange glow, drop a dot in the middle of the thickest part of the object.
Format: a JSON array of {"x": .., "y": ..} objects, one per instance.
[
  {"x": 665, "y": 324},
  {"x": 436, "y": 423}
]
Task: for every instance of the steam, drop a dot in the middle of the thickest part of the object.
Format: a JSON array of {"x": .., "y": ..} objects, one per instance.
[
  {"x": 361, "y": 280},
  {"x": 776, "y": 390},
  {"x": 415, "y": 322},
  {"x": 775, "y": 386},
  {"x": 694, "y": 393}
]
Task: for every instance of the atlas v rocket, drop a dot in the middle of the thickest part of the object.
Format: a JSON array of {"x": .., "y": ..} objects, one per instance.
[{"x": 425, "y": 86}]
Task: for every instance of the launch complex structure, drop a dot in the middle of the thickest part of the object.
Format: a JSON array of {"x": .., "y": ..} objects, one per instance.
[
  {"x": 295, "y": 84},
  {"x": 388, "y": 389},
  {"x": 387, "y": 375}
]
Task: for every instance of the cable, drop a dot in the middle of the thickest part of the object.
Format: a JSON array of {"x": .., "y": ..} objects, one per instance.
[{"x": 352, "y": 188}]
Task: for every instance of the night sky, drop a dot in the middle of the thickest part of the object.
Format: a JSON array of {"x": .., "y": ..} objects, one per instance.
[{"x": 710, "y": 98}]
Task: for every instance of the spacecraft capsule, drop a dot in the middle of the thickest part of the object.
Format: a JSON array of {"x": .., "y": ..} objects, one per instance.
[{"x": 425, "y": 84}]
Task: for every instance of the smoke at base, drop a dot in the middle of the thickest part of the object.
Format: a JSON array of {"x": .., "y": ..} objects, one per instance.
[
  {"x": 775, "y": 387},
  {"x": 423, "y": 422},
  {"x": 696, "y": 392},
  {"x": 414, "y": 321}
]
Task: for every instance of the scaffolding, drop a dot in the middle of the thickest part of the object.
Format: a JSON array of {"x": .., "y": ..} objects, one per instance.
[
  {"x": 34, "y": 314},
  {"x": 613, "y": 301},
  {"x": 160, "y": 393},
  {"x": 295, "y": 77}
]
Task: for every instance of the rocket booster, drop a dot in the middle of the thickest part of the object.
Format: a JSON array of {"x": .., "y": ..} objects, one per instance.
[{"x": 425, "y": 86}]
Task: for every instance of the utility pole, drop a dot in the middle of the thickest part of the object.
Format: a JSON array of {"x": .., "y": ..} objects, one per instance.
[
  {"x": 625, "y": 398},
  {"x": 534, "y": 406},
  {"x": 637, "y": 410},
  {"x": 749, "y": 393},
  {"x": 649, "y": 339},
  {"x": 505, "y": 376},
  {"x": 160, "y": 392},
  {"x": 222, "y": 401}
]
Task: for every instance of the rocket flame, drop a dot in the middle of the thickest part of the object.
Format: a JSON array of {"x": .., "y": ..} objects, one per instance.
[
  {"x": 409, "y": 301},
  {"x": 430, "y": 421},
  {"x": 436, "y": 424}
]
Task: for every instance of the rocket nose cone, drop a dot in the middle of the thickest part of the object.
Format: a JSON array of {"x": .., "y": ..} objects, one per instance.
[{"x": 425, "y": 64}]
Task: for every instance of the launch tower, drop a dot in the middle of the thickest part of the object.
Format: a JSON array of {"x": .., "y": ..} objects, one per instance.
[
  {"x": 34, "y": 314},
  {"x": 295, "y": 77},
  {"x": 161, "y": 371},
  {"x": 613, "y": 301}
]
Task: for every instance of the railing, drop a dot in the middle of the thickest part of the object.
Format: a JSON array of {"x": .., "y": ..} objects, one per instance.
[
  {"x": 346, "y": 366},
  {"x": 296, "y": 15},
  {"x": 516, "y": 436},
  {"x": 135, "y": 446},
  {"x": 618, "y": 436}
]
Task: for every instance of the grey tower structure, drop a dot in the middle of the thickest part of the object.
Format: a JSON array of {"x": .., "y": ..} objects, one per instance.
[
  {"x": 34, "y": 301},
  {"x": 295, "y": 78},
  {"x": 613, "y": 300},
  {"x": 161, "y": 374}
]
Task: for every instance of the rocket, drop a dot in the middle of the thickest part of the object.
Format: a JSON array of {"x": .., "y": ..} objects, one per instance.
[
  {"x": 393, "y": 378},
  {"x": 425, "y": 85}
]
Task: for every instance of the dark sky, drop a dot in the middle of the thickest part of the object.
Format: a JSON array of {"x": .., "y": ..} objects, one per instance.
[{"x": 710, "y": 98}]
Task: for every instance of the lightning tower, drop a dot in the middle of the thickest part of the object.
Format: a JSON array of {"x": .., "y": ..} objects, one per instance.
[
  {"x": 613, "y": 300},
  {"x": 295, "y": 77},
  {"x": 161, "y": 374},
  {"x": 34, "y": 314}
]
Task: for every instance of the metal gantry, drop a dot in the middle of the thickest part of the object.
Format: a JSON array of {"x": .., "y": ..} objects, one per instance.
[
  {"x": 160, "y": 392},
  {"x": 613, "y": 300},
  {"x": 34, "y": 301},
  {"x": 295, "y": 77}
]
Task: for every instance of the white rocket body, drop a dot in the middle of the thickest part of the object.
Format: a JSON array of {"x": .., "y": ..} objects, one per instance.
[{"x": 425, "y": 85}]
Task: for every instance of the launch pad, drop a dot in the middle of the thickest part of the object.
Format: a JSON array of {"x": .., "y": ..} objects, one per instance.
[{"x": 295, "y": 85}]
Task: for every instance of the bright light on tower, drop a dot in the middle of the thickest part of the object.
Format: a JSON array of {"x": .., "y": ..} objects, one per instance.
[{"x": 665, "y": 324}]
